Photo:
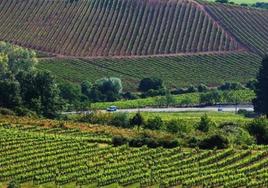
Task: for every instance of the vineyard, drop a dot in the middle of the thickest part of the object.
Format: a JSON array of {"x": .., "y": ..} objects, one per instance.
[
  {"x": 177, "y": 71},
  {"x": 112, "y": 27},
  {"x": 61, "y": 156},
  {"x": 249, "y": 26}
]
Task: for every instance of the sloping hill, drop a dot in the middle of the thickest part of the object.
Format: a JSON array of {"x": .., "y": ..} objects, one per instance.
[
  {"x": 181, "y": 41},
  {"x": 112, "y": 27},
  {"x": 176, "y": 71},
  {"x": 249, "y": 26}
]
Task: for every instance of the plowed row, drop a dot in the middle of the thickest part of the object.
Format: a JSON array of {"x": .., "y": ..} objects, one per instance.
[
  {"x": 177, "y": 71},
  {"x": 111, "y": 27}
]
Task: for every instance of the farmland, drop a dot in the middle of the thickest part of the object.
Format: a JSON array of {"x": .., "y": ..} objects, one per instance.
[
  {"x": 108, "y": 28},
  {"x": 177, "y": 71},
  {"x": 245, "y": 96},
  {"x": 247, "y": 25},
  {"x": 37, "y": 155}
]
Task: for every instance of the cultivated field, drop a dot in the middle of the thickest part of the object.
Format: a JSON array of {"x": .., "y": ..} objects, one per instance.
[
  {"x": 51, "y": 156},
  {"x": 176, "y": 71}
]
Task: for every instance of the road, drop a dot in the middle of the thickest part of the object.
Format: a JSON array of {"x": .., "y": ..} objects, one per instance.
[
  {"x": 226, "y": 108},
  {"x": 229, "y": 108}
]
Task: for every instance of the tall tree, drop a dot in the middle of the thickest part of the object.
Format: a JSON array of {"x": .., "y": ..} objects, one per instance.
[{"x": 261, "y": 101}]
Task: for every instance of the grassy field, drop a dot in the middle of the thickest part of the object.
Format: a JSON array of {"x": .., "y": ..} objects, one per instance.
[
  {"x": 245, "y": 96},
  {"x": 179, "y": 71},
  {"x": 194, "y": 117}
]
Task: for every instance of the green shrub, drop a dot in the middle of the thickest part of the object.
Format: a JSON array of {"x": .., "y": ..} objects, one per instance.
[
  {"x": 13, "y": 184},
  {"x": 204, "y": 124},
  {"x": 259, "y": 129},
  {"x": 154, "y": 123},
  {"x": 120, "y": 120},
  {"x": 119, "y": 140},
  {"x": 5, "y": 111},
  {"x": 214, "y": 141}
]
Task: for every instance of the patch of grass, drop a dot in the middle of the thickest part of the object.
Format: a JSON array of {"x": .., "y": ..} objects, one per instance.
[{"x": 245, "y": 96}]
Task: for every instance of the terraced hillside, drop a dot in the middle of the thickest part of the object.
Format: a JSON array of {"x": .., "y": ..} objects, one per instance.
[
  {"x": 40, "y": 156},
  {"x": 182, "y": 41},
  {"x": 176, "y": 71},
  {"x": 112, "y": 27},
  {"x": 249, "y": 26}
]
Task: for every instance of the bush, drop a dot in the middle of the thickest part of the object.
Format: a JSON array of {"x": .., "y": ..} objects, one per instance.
[
  {"x": 137, "y": 120},
  {"x": 5, "y": 111},
  {"x": 259, "y": 129},
  {"x": 13, "y": 184},
  {"x": 202, "y": 88},
  {"x": 120, "y": 120},
  {"x": 231, "y": 86},
  {"x": 204, "y": 123},
  {"x": 172, "y": 126},
  {"x": 119, "y": 140},
  {"x": 169, "y": 143},
  {"x": 150, "y": 83},
  {"x": 130, "y": 96},
  {"x": 154, "y": 123},
  {"x": 214, "y": 141},
  {"x": 191, "y": 89},
  {"x": 137, "y": 142},
  {"x": 210, "y": 98},
  {"x": 21, "y": 111}
]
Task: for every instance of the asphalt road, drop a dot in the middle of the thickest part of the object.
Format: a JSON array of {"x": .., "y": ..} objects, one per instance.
[{"x": 227, "y": 108}]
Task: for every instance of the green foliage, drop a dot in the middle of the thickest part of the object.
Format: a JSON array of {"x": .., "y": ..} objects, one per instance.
[
  {"x": 214, "y": 141},
  {"x": 120, "y": 120},
  {"x": 204, "y": 124},
  {"x": 245, "y": 96},
  {"x": 119, "y": 140},
  {"x": 259, "y": 129},
  {"x": 13, "y": 184},
  {"x": 178, "y": 71},
  {"x": 155, "y": 123},
  {"x": 231, "y": 86},
  {"x": 9, "y": 94},
  {"x": 147, "y": 84},
  {"x": 137, "y": 119},
  {"x": 107, "y": 89},
  {"x": 210, "y": 98},
  {"x": 261, "y": 101}
]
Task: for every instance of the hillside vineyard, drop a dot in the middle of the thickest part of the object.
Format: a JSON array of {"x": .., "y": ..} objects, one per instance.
[{"x": 112, "y": 27}]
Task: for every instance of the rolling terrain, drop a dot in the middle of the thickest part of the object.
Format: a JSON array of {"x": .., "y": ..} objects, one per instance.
[{"x": 183, "y": 42}]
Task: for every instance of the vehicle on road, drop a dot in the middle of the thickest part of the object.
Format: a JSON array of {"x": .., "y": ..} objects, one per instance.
[{"x": 111, "y": 109}]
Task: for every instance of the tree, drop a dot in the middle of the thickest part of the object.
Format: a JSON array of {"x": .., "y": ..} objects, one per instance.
[
  {"x": 204, "y": 123},
  {"x": 85, "y": 88},
  {"x": 150, "y": 83},
  {"x": 9, "y": 94},
  {"x": 259, "y": 129},
  {"x": 48, "y": 92},
  {"x": 210, "y": 97},
  {"x": 107, "y": 89},
  {"x": 137, "y": 120},
  {"x": 261, "y": 101}
]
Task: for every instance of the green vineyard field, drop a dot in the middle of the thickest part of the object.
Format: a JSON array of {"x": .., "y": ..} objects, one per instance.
[
  {"x": 62, "y": 156},
  {"x": 177, "y": 71}
]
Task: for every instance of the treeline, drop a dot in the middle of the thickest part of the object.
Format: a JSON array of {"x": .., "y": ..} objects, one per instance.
[
  {"x": 204, "y": 134},
  {"x": 262, "y": 5}
]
